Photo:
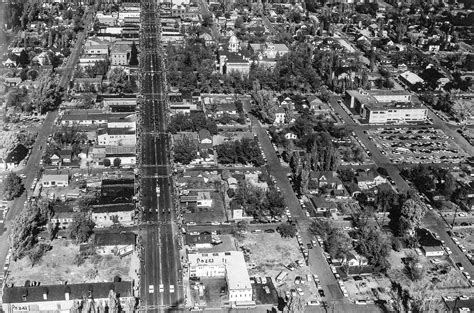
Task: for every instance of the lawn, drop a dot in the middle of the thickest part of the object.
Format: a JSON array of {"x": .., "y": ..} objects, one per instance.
[{"x": 57, "y": 267}]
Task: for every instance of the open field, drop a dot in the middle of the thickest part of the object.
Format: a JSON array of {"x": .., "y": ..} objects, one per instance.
[{"x": 57, "y": 266}]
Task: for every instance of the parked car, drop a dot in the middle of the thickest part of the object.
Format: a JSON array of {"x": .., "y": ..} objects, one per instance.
[{"x": 321, "y": 293}]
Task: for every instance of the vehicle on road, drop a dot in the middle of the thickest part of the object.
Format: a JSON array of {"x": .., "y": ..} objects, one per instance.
[
  {"x": 162, "y": 288},
  {"x": 151, "y": 289},
  {"x": 321, "y": 293},
  {"x": 171, "y": 288},
  {"x": 459, "y": 265}
]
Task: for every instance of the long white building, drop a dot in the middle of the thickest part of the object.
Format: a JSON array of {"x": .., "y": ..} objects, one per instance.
[
  {"x": 230, "y": 265},
  {"x": 387, "y": 106}
]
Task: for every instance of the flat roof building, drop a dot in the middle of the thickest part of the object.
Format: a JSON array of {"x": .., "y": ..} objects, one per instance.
[
  {"x": 230, "y": 265},
  {"x": 387, "y": 106}
]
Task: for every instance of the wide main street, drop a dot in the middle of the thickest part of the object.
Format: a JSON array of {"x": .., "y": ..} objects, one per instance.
[{"x": 161, "y": 288}]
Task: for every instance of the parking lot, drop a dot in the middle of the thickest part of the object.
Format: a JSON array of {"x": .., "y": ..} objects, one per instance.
[{"x": 421, "y": 145}]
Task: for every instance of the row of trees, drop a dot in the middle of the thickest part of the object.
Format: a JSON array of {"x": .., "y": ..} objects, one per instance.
[
  {"x": 193, "y": 122},
  {"x": 244, "y": 151},
  {"x": 25, "y": 229},
  {"x": 259, "y": 203}
]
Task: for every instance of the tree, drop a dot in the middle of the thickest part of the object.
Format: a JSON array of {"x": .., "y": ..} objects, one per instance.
[
  {"x": 24, "y": 59},
  {"x": 185, "y": 150},
  {"x": 321, "y": 228},
  {"x": 375, "y": 246},
  {"x": 133, "y": 55},
  {"x": 412, "y": 213},
  {"x": 207, "y": 20},
  {"x": 25, "y": 228},
  {"x": 287, "y": 230},
  {"x": 339, "y": 243},
  {"x": 240, "y": 229},
  {"x": 107, "y": 162},
  {"x": 117, "y": 162},
  {"x": 275, "y": 202},
  {"x": 118, "y": 80},
  {"x": 414, "y": 266},
  {"x": 81, "y": 227},
  {"x": 12, "y": 186}
]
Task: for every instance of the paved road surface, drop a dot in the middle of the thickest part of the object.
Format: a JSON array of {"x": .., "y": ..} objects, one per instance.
[{"x": 160, "y": 263}]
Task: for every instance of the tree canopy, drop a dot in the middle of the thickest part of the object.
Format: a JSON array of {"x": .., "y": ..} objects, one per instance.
[{"x": 12, "y": 186}]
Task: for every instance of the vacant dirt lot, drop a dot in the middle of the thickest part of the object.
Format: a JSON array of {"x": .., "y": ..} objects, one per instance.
[
  {"x": 269, "y": 254},
  {"x": 58, "y": 266}
]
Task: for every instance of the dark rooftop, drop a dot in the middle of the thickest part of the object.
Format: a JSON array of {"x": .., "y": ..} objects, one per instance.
[{"x": 58, "y": 292}]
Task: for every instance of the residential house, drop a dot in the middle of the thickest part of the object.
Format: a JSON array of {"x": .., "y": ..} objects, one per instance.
[
  {"x": 254, "y": 180},
  {"x": 353, "y": 259},
  {"x": 323, "y": 206},
  {"x": 369, "y": 179},
  {"x": 12, "y": 81},
  {"x": 54, "y": 180},
  {"x": 233, "y": 183},
  {"x": 15, "y": 156},
  {"x": 65, "y": 155},
  {"x": 106, "y": 215},
  {"x": 291, "y": 136},
  {"x": 64, "y": 297},
  {"x": 227, "y": 107},
  {"x": 205, "y": 139},
  {"x": 279, "y": 116},
  {"x": 207, "y": 37},
  {"x": 237, "y": 210},
  {"x": 431, "y": 246},
  {"x": 87, "y": 84}
]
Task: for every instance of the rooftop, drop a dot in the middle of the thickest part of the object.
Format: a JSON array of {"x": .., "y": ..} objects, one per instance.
[{"x": 58, "y": 292}]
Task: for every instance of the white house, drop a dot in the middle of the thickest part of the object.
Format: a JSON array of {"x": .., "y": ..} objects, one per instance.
[{"x": 55, "y": 180}]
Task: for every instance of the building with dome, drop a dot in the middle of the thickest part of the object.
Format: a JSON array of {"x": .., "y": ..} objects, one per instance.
[{"x": 232, "y": 58}]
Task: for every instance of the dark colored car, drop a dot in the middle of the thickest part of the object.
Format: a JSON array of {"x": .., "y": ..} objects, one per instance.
[{"x": 321, "y": 293}]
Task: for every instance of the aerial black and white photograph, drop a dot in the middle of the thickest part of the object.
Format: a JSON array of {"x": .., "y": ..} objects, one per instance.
[{"x": 237, "y": 156}]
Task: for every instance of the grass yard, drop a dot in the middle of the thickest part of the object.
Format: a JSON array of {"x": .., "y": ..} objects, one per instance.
[{"x": 57, "y": 266}]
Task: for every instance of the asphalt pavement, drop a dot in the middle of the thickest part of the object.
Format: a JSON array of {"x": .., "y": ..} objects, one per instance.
[{"x": 161, "y": 288}]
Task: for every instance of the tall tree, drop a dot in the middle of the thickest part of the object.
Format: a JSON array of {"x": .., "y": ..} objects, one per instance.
[{"x": 133, "y": 55}]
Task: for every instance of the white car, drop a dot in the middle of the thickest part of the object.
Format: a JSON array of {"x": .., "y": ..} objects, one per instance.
[
  {"x": 171, "y": 288},
  {"x": 151, "y": 289},
  {"x": 162, "y": 288},
  {"x": 313, "y": 303}
]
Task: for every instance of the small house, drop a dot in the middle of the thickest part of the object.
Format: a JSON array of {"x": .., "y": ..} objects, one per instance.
[{"x": 55, "y": 180}]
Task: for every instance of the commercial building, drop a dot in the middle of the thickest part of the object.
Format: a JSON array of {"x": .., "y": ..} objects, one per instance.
[
  {"x": 230, "y": 265},
  {"x": 116, "y": 137},
  {"x": 63, "y": 298},
  {"x": 387, "y": 106}
]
